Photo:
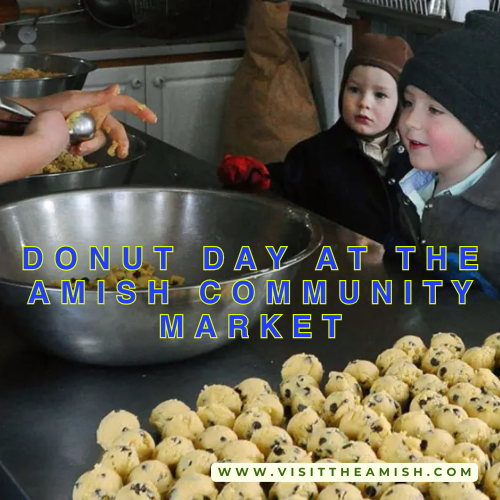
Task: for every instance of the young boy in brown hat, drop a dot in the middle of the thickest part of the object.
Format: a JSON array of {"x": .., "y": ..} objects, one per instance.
[{"x": 350, "y": 172}]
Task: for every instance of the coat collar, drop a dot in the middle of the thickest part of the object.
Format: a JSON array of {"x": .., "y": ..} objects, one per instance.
[{"x": 485, "y": 192}]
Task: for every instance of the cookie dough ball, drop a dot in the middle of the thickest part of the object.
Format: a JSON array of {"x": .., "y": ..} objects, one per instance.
[
  {"x": 241, "y": 449},
  {"x": 139, "y": 439},
  {"x": 271, "y": 404},
  {"x": 283, "y": 491},
  {"x": 336, "y": 405},
  {"x": 485, "y": 407},
  {"x": 493, "y": 341},
  {"x": 172, "y": 449},
  {"x": 139, "y": 491},
  {"x": 388, "y": 357},
  {"x": 480, "y": 357},
  {"x": 216, "y": 414},
  {"x": 340, "y": 382},
  {"x": 221, "y": 394},
  {"x": 414, "y": 423},
  {"x": 355, "y": 452},
  {"x": 308, "y": 397},
  {"x": 434, "y": 358},
  {"x": 405, "y": 371},
  {"x": 290, "y": 386},
  {"x": 187, "y": 424},
  {"x": 491, "y": 483},
  {"x": 113, "y": 424},
  {"x": 194, "y": 487},
  {"x": 196, "y": 461},
  {"x": 473, "y": 430},
  {"x": 340, "y": 491},
  {"x": 439, "y": 491},
  {"x": 155, "y": 472},
  {"x": 302, "y": 426},
  {"x": 492, "y": 447},
  {"x": 269, "y": 437},
  {"x": 402, "y": 492},
  {"x": 242, "y": 491},
  {"x": 396, "y": 388},
  {"x": 122, "y": 459},
  {"x": 428, "y": 401},
  {"x": 399, "y": 448},
  {"x": 460, "y": 394},
  {"x": 437, "y": 443},
  {"x": 302, "y": 364},
  {"x": 413, "y": 346},
  {"x": 373, "y": 489},
  {"x": 100, "y": 478},
  {"x": 325, "y": 442},
  {"x": 288, "y": 454},
  {"x": 374, "y": 432},
  {"x": 327, "y": 462},
  {"x": 365, "y": 372},
  {"x": 469, "y": 453},
  {"x": 448, "y": 417},
  {"x": 355, "y": 420},
  {"x": 451, "y": 341},
  {"x": 214, "y": 438},
  {"x": 252, "y": 387},
  {"x": 487, "y": 381},
  {"x": 429, "y": 382},
  {"x": 383, "y": 404},
  {"x": 423, "y": 487},
  {"x": 455, "y": 371},
  {"x": 477, "y": 495},
  {"x": 250, "y": 421},
  {"x": 166, "y": 410}
]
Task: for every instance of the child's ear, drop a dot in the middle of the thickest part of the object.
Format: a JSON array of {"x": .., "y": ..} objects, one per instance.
[{"x": 478, "y": 144}]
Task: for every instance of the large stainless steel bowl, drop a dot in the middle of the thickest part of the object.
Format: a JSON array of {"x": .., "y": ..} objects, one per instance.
[
  {"x": 109, "y": 172},
  {"x": 188, "y": 220},
  {"x": 74, "y": 74}
]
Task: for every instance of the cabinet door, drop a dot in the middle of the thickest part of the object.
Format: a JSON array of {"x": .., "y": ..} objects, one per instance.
[
  {"x": 190, "y": 98},
  {"x": 328, "y": 44},
  {"x": 132, "y": 82}
]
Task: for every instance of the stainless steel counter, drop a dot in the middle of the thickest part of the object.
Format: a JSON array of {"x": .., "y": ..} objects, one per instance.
[
  {"x": 89, "y": 41},
  {"x": 50, "y": 409}
]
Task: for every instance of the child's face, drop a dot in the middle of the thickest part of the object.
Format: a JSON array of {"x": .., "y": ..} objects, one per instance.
[
  {"x": 370, "y": 100},
  {"x": 435, "y": 139}
]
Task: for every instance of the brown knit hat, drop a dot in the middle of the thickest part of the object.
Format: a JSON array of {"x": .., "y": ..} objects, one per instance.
[{"x": 389, "y": 53}]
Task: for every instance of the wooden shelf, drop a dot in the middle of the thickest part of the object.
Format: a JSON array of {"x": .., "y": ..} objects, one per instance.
[{"x": 416, "y": 21}]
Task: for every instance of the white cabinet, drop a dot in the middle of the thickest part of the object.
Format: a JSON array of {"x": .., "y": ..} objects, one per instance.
[
  {"x": 328, "y": 44},
  {"x": 132, "y": 82},
  {"x": 190, "y": 98}
]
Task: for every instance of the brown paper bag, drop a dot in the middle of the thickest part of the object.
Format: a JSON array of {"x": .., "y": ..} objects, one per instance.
[{"x": 270, "y": 106}]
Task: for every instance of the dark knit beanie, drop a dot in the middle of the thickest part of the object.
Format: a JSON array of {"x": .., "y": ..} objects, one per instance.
[{"x": 460, "y": 70}]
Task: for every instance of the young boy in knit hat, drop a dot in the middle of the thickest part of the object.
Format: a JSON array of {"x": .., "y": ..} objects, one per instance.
[
  {"x": 450, "y": 125},
  {"x": 348, "y": 173}
]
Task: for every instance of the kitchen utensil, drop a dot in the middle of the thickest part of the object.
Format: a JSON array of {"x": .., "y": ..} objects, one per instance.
[
  {"x": 109, "y": 172},
  {"x": 110, "y": 13},
  {"x": 73, "y": 72},
  {"x": 82, "y": 126},
  {"x": 188, "y": 220}
]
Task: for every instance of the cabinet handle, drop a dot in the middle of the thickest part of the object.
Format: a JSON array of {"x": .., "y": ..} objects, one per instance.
[
  {"x": 136, "y": 83},
  {"x": 159, "y": 81}
]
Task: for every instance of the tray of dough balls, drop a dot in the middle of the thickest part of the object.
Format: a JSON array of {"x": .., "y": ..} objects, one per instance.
[{"x": 413, "y": 403}]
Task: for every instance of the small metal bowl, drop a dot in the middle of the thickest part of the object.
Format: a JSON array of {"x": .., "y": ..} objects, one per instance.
[
  {"x": 110, "y": 171},
  {"x": 73, "y": 71},
  {"x": 188, "y": 219}
]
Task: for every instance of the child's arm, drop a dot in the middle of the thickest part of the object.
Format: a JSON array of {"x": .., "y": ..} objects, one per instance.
[{"x": 44, "y": 139}]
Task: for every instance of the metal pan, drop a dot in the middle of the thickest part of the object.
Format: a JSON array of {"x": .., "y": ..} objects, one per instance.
[{"x": 110, "y": 13}]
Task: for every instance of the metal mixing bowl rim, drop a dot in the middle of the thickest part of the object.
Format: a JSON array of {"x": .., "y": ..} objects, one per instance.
[
  {"x": 140, "y": 154},
  {"x": 90, "y": 66},
  {"x": 310, "y": 221}
]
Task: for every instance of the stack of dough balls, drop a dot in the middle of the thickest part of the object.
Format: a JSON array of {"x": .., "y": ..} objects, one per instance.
[{"x": 412, "y": 404}]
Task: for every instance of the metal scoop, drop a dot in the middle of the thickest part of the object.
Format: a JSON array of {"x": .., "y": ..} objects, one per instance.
[{"x": 81, "y": 124}]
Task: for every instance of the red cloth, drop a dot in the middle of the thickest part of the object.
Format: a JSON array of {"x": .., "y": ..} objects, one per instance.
[{"x": 244, "y": 171}]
